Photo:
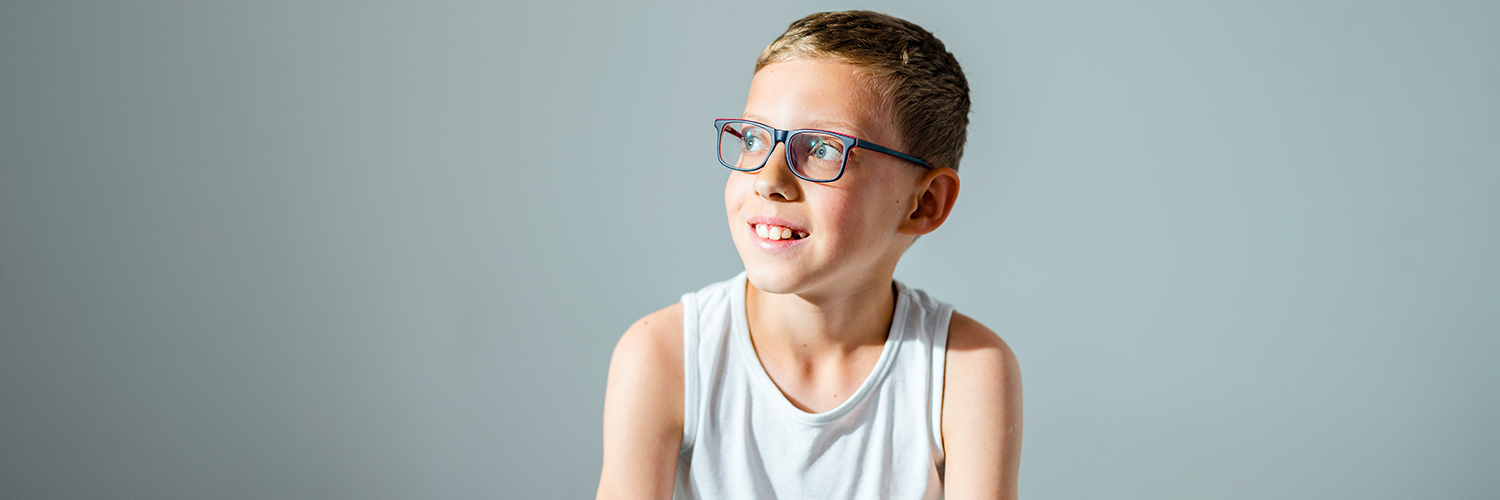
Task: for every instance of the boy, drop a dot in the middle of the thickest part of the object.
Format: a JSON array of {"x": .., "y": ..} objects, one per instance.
[{"x": 814, "y": 374}]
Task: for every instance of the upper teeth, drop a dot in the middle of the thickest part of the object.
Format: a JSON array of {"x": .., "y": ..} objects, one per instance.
[{"x": 777, "y": 232}]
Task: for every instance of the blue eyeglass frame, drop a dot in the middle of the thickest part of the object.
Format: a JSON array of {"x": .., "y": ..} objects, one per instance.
[{"x": 779, "y": 136}]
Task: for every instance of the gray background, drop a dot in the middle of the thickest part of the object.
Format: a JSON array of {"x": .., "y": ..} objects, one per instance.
[{"x": 368, "y": 250}]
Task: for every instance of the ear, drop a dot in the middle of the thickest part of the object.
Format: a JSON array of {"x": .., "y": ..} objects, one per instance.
[{"x": 933, "y": 201}]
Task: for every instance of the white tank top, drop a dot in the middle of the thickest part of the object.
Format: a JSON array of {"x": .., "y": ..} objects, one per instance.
[{"x": 741, "y": 438}]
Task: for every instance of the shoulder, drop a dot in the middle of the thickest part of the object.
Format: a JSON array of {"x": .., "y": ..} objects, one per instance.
[
  {"x": 660, "y": 329},
  {"x": 643, "y": 408},
  {"x": 981, "y": 372},
  {"x": 978, "y": 348},
  {"x": 981, "y": 419},
  {"x": 650, "y": 351}
]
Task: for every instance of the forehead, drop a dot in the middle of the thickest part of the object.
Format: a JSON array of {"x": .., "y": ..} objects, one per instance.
[{"x": 820, "y": 94}]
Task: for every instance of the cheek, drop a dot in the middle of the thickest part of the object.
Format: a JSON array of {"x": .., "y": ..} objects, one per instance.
[
  {"x": 735, "y": 195},
  {"x": 865, "y": 218},
  {"x": 732, "y": 192},
  {"x": 852, "y": 216},
  {"x": 738, "y": 184}
]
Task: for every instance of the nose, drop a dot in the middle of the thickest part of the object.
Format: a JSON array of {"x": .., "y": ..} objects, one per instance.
[{"x": 775, "y": 181}]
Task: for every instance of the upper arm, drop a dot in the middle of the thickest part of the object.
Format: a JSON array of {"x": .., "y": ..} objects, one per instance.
[
  {"x": 643, "y": 412},
  {"x": 981, "y": 419}
]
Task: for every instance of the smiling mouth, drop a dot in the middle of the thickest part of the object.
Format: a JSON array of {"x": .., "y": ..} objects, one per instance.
[{"x": 773, "y": 233}]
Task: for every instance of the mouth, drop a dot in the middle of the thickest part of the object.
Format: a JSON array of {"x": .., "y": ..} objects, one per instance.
[{"x": 775, "y": 233}]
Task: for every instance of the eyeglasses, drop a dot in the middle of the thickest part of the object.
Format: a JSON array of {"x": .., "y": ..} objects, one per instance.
[{"x": 813, "y": 155}]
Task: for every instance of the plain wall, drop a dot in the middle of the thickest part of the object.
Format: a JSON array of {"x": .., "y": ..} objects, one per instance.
[{"x": 360, "y": 250}]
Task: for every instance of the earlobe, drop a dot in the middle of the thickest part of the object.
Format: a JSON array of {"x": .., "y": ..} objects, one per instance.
[{"x": 938, "y": 189}]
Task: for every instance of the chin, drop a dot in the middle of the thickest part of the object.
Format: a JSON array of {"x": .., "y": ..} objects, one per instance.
[
  {"x": 772, "y": 280},
  {"x": 785, "y": 277}
]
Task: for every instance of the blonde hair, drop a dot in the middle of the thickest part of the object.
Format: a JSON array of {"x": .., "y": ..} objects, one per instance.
[{"x": 922, "y": 83}]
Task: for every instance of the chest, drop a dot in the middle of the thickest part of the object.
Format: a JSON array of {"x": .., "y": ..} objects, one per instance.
[{"x": 817, "y": 382}]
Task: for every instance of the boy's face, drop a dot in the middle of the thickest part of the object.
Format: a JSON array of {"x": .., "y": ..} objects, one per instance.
[{"x": 853, "y": 226}]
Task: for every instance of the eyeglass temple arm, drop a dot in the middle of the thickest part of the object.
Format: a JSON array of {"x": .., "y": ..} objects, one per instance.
[{"x": 858, "y": 143}]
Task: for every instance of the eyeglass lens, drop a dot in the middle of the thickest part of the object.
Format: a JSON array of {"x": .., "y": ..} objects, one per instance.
[{"x": 814, "y": 156}]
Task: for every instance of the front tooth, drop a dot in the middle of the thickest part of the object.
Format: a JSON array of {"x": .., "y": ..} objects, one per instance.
[
  {"x": 775, "y": 233},
  {"x": 760, "y": 229},
  {"x": 786, "y": 233}
]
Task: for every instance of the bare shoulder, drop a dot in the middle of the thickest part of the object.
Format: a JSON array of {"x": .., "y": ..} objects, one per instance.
[
  {"x": 981, "y": 419},
  {"x": 643, "y": 411},
  {"x": 655, "y": 338},
  {"x": 647, "y": 362},
  {"x": 975, "y": 346},
  {"x": 981, "y": 373}
]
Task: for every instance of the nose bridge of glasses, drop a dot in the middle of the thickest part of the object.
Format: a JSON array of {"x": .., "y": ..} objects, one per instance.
[{"x": 779, "y": 140}]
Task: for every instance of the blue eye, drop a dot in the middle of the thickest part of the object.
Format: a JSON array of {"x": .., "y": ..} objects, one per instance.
[
  {"x": 752, "y": 143},
  {"x": 823, "y": 150}
]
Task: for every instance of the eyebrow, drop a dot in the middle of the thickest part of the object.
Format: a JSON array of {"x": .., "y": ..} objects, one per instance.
[{"x": 829, "y": 125}]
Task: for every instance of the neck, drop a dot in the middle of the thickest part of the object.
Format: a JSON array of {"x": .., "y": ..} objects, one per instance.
[{"x": 821, "y": 324}]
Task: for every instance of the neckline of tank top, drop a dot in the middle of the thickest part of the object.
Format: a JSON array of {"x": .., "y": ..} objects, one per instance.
[{"x": 739, "y": 328}]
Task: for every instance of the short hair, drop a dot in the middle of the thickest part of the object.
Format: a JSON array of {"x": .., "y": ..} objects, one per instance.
[{"x": 922, "y": 83}]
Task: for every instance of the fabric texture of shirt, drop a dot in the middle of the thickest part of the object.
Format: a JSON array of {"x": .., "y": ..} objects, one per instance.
[{"x": 742, "y": 438}]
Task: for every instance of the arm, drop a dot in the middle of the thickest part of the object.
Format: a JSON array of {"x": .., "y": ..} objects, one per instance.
[
  {"x": 643, "y": 409},
  {"x": 981, "y": 419}
]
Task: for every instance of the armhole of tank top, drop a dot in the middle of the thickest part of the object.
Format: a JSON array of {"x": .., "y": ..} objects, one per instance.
[
  {"x": 939, "y": 369},
  {"x": 689, "y": 373}
]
